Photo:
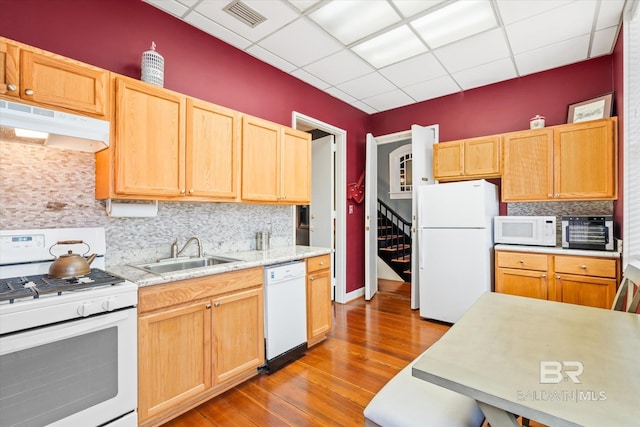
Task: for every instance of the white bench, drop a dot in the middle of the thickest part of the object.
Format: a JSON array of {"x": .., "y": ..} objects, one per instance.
[{"x": 406, "y": 401}]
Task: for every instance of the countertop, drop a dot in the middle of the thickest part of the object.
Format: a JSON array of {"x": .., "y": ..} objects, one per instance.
[
  {"x": 247, "y": 259},
  {"x": 557, "y": 251}
]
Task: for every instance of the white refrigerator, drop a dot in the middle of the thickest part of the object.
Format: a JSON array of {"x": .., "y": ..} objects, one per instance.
[{"x": 455, "y": 240}]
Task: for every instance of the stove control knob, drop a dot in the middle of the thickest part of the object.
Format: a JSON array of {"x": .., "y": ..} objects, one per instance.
[
  {"x": 85, "y": 309},
  {"x": 109, "y": 304}
]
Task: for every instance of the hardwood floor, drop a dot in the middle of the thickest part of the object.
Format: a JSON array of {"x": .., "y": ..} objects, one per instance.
[{"x": 331, "y": 385}]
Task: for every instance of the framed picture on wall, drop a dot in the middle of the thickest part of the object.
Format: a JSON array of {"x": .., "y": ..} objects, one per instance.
[{"x": 591, "y": 109}]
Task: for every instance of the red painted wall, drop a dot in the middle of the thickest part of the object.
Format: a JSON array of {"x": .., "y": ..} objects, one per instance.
[
  {"x": 112, "y": 34},
  {"x": 618, "y": 85}
]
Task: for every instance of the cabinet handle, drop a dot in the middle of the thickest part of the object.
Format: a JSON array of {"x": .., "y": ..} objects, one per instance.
[
  {"x": 557, "y": 194},
  {"x": 584, "y": 267},
  {"x": 191, "y": 191},
  {"x": 182, "y": 191},
  {"x": 11, "y": 87},
  {"x": 521, "y": 261},
  {"x": 544, "y": 276},
  {"x": 558, "y": 277},
  {"x": 321, "y": 262},
  {"x": 28, "y": 92},
  {"x": 208, "y": 306},
  {"x": 216, "y": 304},
  {"x": 550, "y": 195},
  {"x": 312, "y": 278}
]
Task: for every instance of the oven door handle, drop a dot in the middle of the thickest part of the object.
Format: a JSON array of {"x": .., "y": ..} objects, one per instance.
[{"x": 48, "y": 334}]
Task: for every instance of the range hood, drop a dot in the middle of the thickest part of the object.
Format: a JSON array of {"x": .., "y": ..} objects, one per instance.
[{"x": 67, "y": 131}]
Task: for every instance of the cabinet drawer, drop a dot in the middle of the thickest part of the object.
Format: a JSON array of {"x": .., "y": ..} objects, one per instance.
[
  {"x": 586, "y": 266},
  {"x": 519, "y": 260},
  {"x": 318, "y": 263}
]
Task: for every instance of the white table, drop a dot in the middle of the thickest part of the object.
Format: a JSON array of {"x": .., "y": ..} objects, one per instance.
[{"x": 494, "y": 354}]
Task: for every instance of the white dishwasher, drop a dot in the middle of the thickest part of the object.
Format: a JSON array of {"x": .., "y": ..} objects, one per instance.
[{"x": 285, "y": 314}]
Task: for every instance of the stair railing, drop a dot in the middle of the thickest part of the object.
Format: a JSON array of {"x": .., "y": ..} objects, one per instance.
[{"x": 395, "y": 232}]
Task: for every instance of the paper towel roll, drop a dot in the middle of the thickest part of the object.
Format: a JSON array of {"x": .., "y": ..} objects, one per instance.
[{"x": 131, "y": 210}]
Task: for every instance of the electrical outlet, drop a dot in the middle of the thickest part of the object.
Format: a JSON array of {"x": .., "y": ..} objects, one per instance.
[{"x": 350, "y": 209}]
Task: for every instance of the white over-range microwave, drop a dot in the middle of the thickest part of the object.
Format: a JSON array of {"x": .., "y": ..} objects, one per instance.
[{"x": 525, "y": 230}]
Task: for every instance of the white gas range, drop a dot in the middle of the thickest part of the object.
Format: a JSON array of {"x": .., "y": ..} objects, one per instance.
[{"x": 68, "y": 347}]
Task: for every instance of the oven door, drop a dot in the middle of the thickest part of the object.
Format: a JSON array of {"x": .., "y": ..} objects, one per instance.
[{"x": 76, "y": 373}]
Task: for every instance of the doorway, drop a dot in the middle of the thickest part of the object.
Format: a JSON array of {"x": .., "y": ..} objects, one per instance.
[{"x": 328, "y": 211}]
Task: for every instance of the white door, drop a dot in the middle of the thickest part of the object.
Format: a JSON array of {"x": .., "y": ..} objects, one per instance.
[
  {"x": 371, "y": 219},
  {"x": 422, "y": 140},
  {"x": 322, "y": 211}
]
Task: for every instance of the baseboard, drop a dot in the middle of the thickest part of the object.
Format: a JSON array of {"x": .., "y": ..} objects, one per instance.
[{"x": 354, "y": 295}]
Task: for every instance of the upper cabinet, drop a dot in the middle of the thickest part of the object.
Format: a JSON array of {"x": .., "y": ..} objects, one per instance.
[
  {"x": 567, "y": 162},
  {"x": 51, "y": 80},
  {"x": 276, "y": 163},
  {"x": 169, "y": 147},
  {"x": 467, "y": 159}
]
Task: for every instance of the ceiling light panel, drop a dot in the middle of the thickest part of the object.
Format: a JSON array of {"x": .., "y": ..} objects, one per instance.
[
  {"x": 390, "y": 47},
  {"x": 455, "y": 22},
  {"x": 411, "y": 7},
  {"x": 352, "y": 20}
]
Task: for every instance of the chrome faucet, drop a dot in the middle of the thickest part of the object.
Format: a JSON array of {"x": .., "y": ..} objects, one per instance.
[{"x": 176, "y": 253}]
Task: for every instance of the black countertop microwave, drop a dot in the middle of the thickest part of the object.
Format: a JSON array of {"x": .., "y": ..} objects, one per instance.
[{"x": 588, "y": 232}]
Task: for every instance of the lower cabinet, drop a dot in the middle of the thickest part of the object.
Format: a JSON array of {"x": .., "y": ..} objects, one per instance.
[
  {"x": 582, "y": 280},
  {"x": 318, "y": 298},
  {"x": 196, "y": 339}
]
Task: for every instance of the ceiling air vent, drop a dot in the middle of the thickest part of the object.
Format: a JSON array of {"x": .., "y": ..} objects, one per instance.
[{"x": 244, "y": 13}]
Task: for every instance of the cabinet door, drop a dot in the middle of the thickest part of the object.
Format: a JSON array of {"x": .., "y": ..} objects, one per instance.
[
  {"x": 212, "y": 150},
  {"x": 260, "y": 160},
  {"x": 63, "y": 83},
  {"x": 524, "y": 283},
  {"x": 238, "y": 334},
  {"x": 9, "y": 63},
  {"x": 174, "y": 357},
  {"x": 482, "y": 157},
  {"x": 583, "y": 290},
  {"x": 527, "y": 173},
  {"x": 318, "y": 304},
  {"x": 149, "y": 140},
  {"x": 585, "y": 161},
  {"x": 448, "y": 160},
  {"x": 296, "y": 167}
]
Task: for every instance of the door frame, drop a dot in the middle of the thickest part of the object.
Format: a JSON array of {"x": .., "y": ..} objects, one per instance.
[{"x": 304, "y": 122}]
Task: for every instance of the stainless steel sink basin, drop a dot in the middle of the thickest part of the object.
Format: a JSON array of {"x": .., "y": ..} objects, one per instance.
[{"x": 180, "y": 264}]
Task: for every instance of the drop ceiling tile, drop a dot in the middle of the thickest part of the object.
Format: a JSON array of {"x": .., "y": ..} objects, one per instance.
[
  {"x": 216, "y": 30},
  {"x": 413, "y": 70},
  {"x": 352, "y": 20},
  {"x": 270, "y": 58},
  {"x": 366, "y": 86},
  {"x": 603, "y": 42},
  {"x": 337, "y": 93},
  {"x": 432, "y": 89},
  {"x": 411, "y": 7},
  {"x": 173, "y": 7},
  {"x": 303, "y": 5},
  {"x": 486, "y": 74},
  {"x": 609, "y": 14},
  {"x": 301, "y": 43},
  {"x": 339, "y": 67},
  {"x": 473, "y": 51},
  {"x": 390, "y": 47},
  {"x": 310, "y": 78},
  {"x": 364, "y": 107},
  {"x": 389, "y": 100},
  {"x": 513, "y": 11},
  {"x": 563, "y": 23},
  {"x": 277, "y": 13},
  {"x": 556, "y": 55}
]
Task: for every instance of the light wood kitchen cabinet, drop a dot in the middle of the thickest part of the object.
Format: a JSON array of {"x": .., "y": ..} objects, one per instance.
[
  {"x": 522, "y": 274},
  {"x": 566, "y": 162},
  {"x": 276, "y": 163},
  {"x": 197, "y": 338},
  {"x": 582, "y": 280},
  {"x": 51, "y": 80},
  {"x": 318, "y": 298},
  {"x": 467, "y": 159},
  {"x": 167, "y": 146},
  {"x": 174, "y": 357}
]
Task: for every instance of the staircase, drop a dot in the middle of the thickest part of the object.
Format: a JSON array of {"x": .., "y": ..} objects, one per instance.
[{"x": 394, "y": 241}]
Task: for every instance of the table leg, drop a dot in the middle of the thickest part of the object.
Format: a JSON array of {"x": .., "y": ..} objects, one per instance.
[{"x": 498, "y": 417}]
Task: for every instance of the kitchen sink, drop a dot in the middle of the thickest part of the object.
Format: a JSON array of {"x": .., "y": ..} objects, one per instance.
[{"x": 180, "y": 264}]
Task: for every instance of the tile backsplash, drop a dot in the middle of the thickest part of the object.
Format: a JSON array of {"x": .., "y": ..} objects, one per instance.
[{"x": 49, "y": 188}]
